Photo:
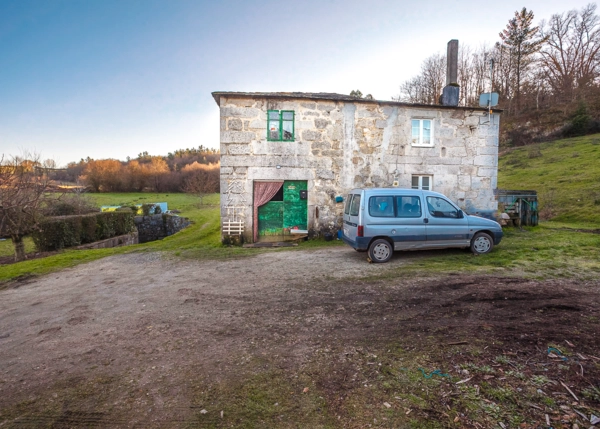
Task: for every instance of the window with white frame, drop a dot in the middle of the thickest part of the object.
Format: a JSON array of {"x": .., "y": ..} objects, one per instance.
[
  {"x": 422, "y": 132},
  {"x": 424, "y": 183}
]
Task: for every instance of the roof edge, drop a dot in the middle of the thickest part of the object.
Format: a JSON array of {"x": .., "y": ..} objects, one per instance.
[{"x": 337, "y": 97}]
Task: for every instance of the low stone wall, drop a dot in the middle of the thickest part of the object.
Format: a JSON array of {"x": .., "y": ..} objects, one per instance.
[
  {"x": 159, "y": 226},
  {"x": 121, "y": 240}
]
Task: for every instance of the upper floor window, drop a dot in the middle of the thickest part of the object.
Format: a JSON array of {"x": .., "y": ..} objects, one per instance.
[
  {"x": 422, "y": 132},
  {"x": 280, "y": 125},
  {"x": 422, "y": 182}
]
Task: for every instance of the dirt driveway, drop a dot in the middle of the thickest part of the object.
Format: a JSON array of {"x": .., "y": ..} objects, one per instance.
[{"x": 137, "y": 340}]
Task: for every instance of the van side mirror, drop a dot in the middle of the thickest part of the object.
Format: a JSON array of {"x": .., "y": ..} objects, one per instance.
[{"x": 461, "y": 214}]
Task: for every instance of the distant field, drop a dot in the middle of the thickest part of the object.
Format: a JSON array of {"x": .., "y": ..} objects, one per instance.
[{"x": 565, "y": 173}]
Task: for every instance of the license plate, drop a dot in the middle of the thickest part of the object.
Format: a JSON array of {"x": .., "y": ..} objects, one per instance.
[{"x": 346, "y": 232}]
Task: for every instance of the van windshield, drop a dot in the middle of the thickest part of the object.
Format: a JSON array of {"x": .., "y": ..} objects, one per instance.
[{"x": 355, "y": 205}]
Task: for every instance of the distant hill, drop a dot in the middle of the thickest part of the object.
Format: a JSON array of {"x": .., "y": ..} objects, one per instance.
[{"x": 565, "y": 173}]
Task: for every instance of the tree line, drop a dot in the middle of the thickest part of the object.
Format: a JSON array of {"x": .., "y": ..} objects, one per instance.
[
  {"x": 193, "y": 170},
  {"x": 547, "y": 75}
]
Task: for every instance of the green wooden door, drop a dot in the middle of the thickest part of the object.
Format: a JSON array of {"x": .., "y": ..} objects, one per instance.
[
  {"x": 278, "y": 218},
  {"x": 270, "y": 219},
  {"x": 295, "y": 209}
]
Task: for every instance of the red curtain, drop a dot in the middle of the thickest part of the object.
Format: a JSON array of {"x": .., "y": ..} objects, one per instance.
[{"x": 263, "y": 192}]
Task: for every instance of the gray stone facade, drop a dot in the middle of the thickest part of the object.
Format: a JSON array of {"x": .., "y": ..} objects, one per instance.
[{"x": 343, "y": 143}]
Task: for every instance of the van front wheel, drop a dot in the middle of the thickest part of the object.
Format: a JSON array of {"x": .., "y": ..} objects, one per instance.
[
  {"x": 380, "y": 251},
  {"x": 482, "y": 243}
]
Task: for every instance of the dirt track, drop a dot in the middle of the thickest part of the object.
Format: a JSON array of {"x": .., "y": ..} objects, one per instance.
[{"x": 126, "y": 340}]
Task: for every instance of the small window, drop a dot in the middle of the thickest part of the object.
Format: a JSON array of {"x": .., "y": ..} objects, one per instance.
[
  {"x": 422, "y": 182},
  {"x": 409, "y": 206},
  {"x": 280, "y": 125},
  {"x": 355, "y": 205},
  {"x": 422, "y": 132},
  {"x": 439, "y": 207},
  {"x": 381, "y": 206}
]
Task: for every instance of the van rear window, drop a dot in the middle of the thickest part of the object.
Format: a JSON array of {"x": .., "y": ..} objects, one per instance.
[
  {"x": 355, "y": 205},
  {"x": 348, "y": 202}
]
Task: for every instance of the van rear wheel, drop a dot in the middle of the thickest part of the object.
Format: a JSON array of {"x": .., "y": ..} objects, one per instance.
[{"x": 380, "y": 251}]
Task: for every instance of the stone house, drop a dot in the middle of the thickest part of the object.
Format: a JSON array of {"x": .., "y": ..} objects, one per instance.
[{"x": 288, "y": 159}]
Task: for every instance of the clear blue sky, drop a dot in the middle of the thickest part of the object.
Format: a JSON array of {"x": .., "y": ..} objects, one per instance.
[{"x": 113, "y": 78}]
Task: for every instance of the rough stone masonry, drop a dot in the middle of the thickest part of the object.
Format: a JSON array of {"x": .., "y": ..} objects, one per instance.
[{"x": 343, "y": 143}]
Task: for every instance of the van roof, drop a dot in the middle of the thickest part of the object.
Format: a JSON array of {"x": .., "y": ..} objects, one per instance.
[{"x": 391, "y": 191}]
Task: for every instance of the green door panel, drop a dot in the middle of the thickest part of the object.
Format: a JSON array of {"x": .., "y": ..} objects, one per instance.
[
  {"x": 270, "y": 218},
  {"x": 295, "y": 209}
]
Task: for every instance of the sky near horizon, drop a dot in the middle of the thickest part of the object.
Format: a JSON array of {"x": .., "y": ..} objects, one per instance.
[{"x": 113, "y": 78}]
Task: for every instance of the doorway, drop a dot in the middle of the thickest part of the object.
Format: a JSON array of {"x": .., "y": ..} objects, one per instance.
[{"x": 286, "y": 214}]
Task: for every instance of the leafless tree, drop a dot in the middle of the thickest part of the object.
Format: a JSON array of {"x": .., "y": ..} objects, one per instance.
[
  {"x": 201, "y": 179},
  {"x": 23, "y": 192},
  {"x": 425, "y": 88},
  {"x": 570, "y": 57}
]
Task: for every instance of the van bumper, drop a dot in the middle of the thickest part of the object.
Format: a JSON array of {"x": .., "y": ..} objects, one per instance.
[
  {"x": 361, "y": 243},
  {"x": 498, "y": 237}
]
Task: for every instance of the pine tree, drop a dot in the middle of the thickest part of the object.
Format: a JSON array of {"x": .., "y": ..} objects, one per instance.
[{"x": 520, "y": 41}]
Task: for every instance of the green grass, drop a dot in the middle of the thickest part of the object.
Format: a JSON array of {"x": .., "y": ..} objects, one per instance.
[
  {"x": 7, "y": 248},
  {"x": 200, "y": 240},
  {"x": 543, "y": 252},
  {"x": 565, "y": 173}
]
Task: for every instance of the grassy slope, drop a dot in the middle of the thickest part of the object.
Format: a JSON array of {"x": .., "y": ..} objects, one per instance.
[{"x": 566, "y": 174}]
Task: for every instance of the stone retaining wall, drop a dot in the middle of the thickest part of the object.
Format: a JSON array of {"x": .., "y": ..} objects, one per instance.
[
  {"x": 121, "y": 240},
  {"x": 159, "y": 226}
]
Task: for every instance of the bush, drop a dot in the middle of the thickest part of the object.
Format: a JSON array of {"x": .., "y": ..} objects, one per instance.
[
  {"x": 70, "y": 204},
  {"x": 66, "y": 231}
]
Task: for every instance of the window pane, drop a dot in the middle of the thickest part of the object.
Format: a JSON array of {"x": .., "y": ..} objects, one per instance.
[
  {"x": 425, "y": 183},
  {"x": 273, "y": 134},
  {"x": 416, "y": 131},
  {"x": 287, "y": 116},
  {"x": 288, "y": 130},
  {"x": 426, "y": 132},
  {"x": 355, "y": 205},
  {"x": 348, "y": 202},
  {"x": 381, "y": 206},
  {"x": 415, "y": 182},
  {"x": 438, "y": 207},
  {"x": 274, "y": 115},
  {"x": 409, "y": 207}
]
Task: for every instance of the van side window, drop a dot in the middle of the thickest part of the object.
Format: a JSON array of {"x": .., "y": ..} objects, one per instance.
[
  {"x": 381, "y": 206},
  {"x": 439, "y": 207},
  {"x": 348, "y": 202},
  {"x": 409, "y": 206},
  {"x": 355, "y": 205}
]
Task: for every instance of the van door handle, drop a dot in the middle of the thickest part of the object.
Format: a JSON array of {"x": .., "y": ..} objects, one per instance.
[{"x": 425, "y": 220}]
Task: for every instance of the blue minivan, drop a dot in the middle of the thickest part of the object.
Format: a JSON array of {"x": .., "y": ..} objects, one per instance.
[{"x": 381, "y": 220}]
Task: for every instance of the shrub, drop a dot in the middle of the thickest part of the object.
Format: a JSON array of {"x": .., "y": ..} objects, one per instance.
[
  {"x": 70, "y": 204},
  {"x": 66, "y": 231}
]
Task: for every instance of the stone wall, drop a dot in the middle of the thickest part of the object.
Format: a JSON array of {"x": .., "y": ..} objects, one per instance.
[
  {"x": 118, "y": 241},
  {"x": 340, "y": 145},
  {"x": 159, "y": 226}
]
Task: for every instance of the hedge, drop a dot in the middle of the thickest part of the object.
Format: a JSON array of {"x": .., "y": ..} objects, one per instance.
[{"x": 66, "y": 231}]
